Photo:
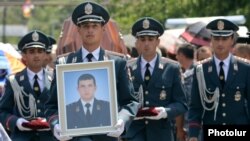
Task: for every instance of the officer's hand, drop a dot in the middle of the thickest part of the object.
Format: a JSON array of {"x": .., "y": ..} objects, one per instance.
[
  {"x": 193, "y": 139},
  {"x": 120, "y": 125},
  {"x": 57, "y": 133},
  {"x": 19, "y": 125},
  {"x": 162, "y": 113}
]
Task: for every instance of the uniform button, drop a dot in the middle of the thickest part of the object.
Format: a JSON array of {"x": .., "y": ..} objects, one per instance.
[
  {"x": 223, "y": 95},
  {"x": 223, "y": 104},
  {"x": 146, "y": 102},
  {"x": 223, "y": 123},
  {"x": 38, "y": 110},
  {"x": 146, "y": 92},
  {"x": 146, "y": 122},
  {"x": 223, "y": 114},
  {"x": 38, "y": 101}
]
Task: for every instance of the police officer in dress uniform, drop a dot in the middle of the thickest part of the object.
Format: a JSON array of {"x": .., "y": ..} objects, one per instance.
[
  {"x": 49, "y": 63},
  {"x": 27, "y": 91},
  {"x": 90, "y": 19},
  {"x": 158, "y": 83},
  {"x": 221, "y": 83}
]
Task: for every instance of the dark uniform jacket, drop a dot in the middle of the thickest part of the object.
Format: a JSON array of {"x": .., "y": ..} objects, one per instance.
[
  {"x": 163, "y": 90},
  {"x": 10, "y": 113},
  {"x": 100, "y": 115},
  {"x": 125, "y": 90},
  {"x": 234, "y": 105}
]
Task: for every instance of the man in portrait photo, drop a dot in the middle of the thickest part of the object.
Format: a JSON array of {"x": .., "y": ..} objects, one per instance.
[{"x": 88, "y": 111}]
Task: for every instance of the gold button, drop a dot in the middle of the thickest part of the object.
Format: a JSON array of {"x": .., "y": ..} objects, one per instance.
[
  {"x": 146, "y": 92},
  {"x": 38, "y": 101},
  {"x": 38, "y": 110}
]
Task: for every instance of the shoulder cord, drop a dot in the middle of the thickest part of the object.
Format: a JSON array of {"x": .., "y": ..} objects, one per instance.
[
  {"x": 203, "y": 90},
  {"x": 19, "y": 93}
]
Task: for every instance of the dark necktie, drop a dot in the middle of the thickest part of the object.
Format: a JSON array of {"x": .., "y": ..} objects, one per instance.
[
  {"x": 147, "y": 74},
  {"x": 89, "y": 57},
  {"x": 88, "y": 111},
  {"x": 36, "y": 86},
  {"x": 222, "y": 75}
]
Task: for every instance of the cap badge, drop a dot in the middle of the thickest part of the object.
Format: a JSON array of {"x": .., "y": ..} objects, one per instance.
[
  {"x": 88, "y": 9},
  {"x": 145, "y": 24},
  {"x": 220, "y": 25},
  {"x": 35, "y": 36}
]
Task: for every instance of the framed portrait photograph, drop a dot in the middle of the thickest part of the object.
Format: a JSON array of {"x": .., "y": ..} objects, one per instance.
[{"x": 87, "y": 100}]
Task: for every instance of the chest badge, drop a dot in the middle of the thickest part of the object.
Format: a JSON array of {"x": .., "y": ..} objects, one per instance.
[{"x": 237, "y": 96}]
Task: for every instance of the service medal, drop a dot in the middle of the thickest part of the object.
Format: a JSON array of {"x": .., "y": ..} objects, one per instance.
[
  {"x": 237, "y": 96},
  {"x": 163, "y": 95}
]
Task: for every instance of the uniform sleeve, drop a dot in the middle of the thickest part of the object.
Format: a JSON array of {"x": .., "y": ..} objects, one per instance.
[
  {"x": 178, "y": 103},
  {"x": 195, "y": 109},
  {"x": 7, "y": 117},
  {"x": 127, "y": 103},
  {"x": 248, "y": 92},
  {"x": 51, "y": 106}
]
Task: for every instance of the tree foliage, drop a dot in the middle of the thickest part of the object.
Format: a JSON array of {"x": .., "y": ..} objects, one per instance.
[{"x": 49, "y": 19}]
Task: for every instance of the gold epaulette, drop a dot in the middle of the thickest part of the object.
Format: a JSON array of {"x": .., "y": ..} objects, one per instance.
[
  {"x": 242, "y": 59},
  {"x": 204, "y": 61},
  {"x": 108, "y": 52},
  {"x": 165, "y": 60},
  {"x": 131, "y": 61}
]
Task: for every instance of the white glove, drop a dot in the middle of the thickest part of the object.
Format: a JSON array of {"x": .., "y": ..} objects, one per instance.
[
  {"x": 139, "y": 118},
  {"x": 162, "y": 113},
  {"x": 57, "y": 133},
  {"x": 120, "y": 125},
  {"x": 19, "y": 123}
]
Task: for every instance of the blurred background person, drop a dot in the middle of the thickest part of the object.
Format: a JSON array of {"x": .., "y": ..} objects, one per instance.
[
  {"x": 185, "y": 56},
  {"x": 242, "y": 50},
  {"x": 203, "y": 53}
]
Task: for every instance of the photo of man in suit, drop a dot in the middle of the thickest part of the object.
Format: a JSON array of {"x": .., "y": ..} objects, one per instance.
[{"x": 88, "y": 111}]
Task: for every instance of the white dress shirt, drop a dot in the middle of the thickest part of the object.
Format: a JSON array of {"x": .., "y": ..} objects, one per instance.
[
  {"x": 40, "y": 79},
  {"x": 143, "y": 65},
  {"x": 225, "y": 65},
  {"x": 95, "y": 54}
]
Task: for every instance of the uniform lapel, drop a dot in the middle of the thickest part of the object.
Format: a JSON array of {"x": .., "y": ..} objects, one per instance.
[
  {"x": 156, "y": 72},
  {"x": 137, "y": 71},
  {"x": 101, "y": 55},
  {"x": 47, "y": 82},
  {"x": 78, "y": 57},
  {"x": 23, "y": 81},
  {"x": 210, "y": 72},
  {"x": 233, "y": 69}
]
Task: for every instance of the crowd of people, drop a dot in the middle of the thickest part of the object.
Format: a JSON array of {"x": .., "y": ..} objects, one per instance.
[{"x": 157, "y": 97}]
